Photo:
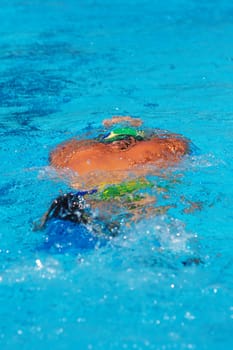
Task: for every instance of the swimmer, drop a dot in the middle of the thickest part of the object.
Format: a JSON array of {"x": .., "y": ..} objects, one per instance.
[
  {"x": 118, "y": 154},
  {"x": 110, "y": 174}
]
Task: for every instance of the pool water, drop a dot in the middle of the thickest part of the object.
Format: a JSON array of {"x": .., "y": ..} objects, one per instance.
[{"x": 65, "y": 66}]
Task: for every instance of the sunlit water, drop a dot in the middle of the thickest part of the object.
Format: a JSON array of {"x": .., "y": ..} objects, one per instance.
[{"x": 65, "y": 66}]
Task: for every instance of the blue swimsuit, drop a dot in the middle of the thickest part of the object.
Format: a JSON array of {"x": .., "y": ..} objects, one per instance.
[{"x": 71, "y": 226}]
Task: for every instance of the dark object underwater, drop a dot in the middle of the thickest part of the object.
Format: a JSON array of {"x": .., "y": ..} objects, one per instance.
[
  {"x": 70, "y": 224},
  {"x": 69, "y": 206}
]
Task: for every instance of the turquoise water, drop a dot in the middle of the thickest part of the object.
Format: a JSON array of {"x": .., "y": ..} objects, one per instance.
[{"x": 65, "y": 66}]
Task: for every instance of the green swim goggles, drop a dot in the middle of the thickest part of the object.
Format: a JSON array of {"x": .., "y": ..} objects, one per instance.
[{"x": 122, "y": 133}]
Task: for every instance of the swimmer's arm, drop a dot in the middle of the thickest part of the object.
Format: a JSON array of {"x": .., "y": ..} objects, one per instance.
[
  {"x": 116, "y": 119},
  {"x": 37, "y": 226},
  {"x": 41, "y": 224}
]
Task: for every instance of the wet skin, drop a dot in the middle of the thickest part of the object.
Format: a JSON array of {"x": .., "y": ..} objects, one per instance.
[{"x": 116, "y": 160}]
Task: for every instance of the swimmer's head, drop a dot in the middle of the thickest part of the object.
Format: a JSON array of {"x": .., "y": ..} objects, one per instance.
[
  {"x": 69, "y": 206},
  {"x": 123, "y": 133}
]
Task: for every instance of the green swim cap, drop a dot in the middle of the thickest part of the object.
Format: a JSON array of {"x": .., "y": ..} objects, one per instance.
[{"x": 121, "y": 133}]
